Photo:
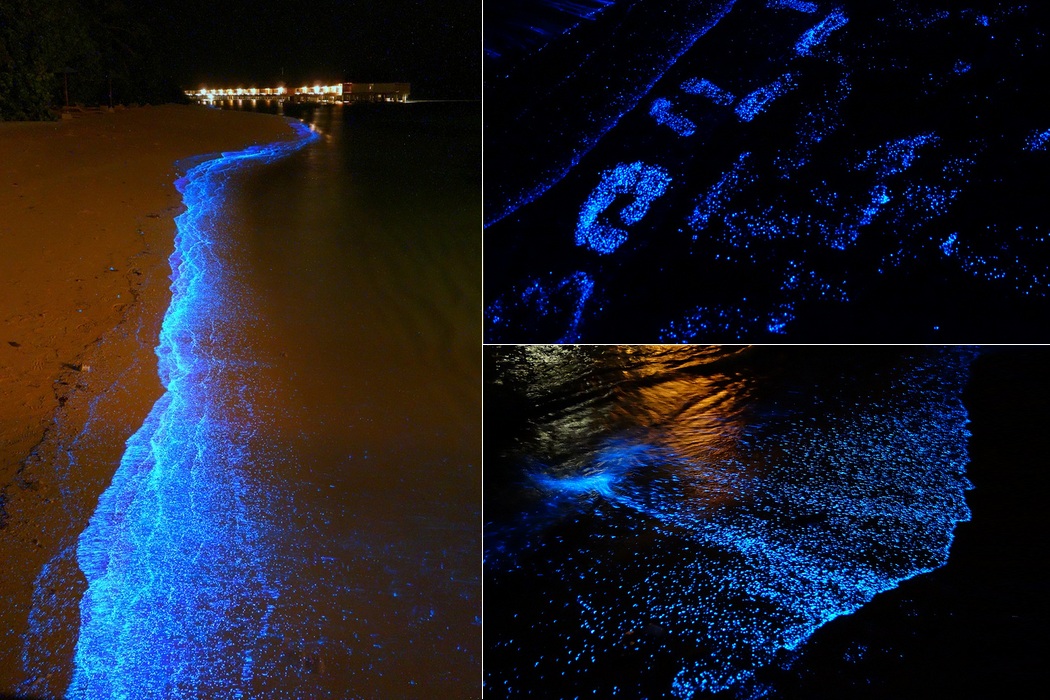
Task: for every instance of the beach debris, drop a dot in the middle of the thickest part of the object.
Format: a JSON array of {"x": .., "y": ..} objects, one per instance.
[{"x": 14, "y": 344}]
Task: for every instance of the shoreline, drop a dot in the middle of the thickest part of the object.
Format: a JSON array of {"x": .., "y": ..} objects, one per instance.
[
  {"x": 155, "y": 494},
  {"x": 88, "y": 225}
]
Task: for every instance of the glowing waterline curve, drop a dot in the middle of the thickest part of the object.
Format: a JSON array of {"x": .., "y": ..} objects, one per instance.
[{"x": 174, "y": 526}]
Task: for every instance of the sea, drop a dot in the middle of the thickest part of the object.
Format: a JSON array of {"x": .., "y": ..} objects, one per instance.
[
  {"x": 763, "y": 522},
  {"x": 300, "y": 514}
]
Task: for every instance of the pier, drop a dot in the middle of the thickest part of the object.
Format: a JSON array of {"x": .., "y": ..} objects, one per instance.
[{"x": 338, "y": 93}]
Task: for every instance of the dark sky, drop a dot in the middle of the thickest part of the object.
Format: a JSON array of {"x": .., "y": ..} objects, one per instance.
[{"x": 434, "y": 44}]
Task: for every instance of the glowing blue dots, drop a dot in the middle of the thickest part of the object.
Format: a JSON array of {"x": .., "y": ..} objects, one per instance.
[
  {"x": 797, "y": 5},
  {"x": 706, "y": 322},
  {"x": 1038, "y": 141},
  {"x": 929, "y": 201},
  {"x": 817, "y": 35},
  {"x": 896, "y": 156},
  {"x": 778, "y": 325},
  {"x": 715, "y": 199},
  {"x": 645, "y": 182},
  {"x": 562, "y": 301},
  {"x": 753, "y": 104},
  {"x": 879, "y": 196},
  {"x": 661, "y": 112},
  {"x": 705, "y": 88},
  {"x": 948, "y": 244}
]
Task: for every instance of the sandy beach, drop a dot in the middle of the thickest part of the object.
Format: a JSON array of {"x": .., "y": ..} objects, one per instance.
[{"x": 86, "y": 227}]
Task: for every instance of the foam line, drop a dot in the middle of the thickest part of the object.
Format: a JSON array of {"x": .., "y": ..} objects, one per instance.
[{"x": 172, "y": 555}]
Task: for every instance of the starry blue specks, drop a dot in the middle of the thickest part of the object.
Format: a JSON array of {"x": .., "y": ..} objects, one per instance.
[
  {"x": 661, "y": 112},
  {"x": 645, "y": 182},
  {"x": 818, "y": 34}
]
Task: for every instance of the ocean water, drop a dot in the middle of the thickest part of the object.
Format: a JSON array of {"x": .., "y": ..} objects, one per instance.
[
  {"x": 680, "y": 522},
  {"x": 299, "y": 516},
  {"x": 767, "y": 171}
]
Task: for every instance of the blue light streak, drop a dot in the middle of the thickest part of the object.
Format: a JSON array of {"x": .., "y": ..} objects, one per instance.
[
  {"x": 529, "y": 26},
  {"x": 661, "y": 112},
  {"x": 172, "y": 555},
  {"x": 753, "y": 104},
  {"x": 817, "y": 35},
  {"x": 645, "y": 182},
  {"x": 797, "y": 5},
  {"x": 705, "y": 88}
]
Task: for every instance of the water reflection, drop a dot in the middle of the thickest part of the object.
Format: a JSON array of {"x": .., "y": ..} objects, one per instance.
[
  {"x": 653, "y": 426},
  {"x": 678, "y": 517},
  {"x": 362, "y": 260}
]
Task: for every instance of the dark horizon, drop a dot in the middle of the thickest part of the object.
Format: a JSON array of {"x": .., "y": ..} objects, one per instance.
[
  {"x": 434, "y": 46},
  {"x": 95, "y": 52}
]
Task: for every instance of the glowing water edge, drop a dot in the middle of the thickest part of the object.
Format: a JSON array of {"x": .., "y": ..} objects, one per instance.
[
  {"x": 670, "y": 521},
  {"x": 177, "y": 591}
]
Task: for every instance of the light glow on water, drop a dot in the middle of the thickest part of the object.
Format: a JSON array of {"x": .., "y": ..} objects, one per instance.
[
  {"x": 178, "y": 590},
  {"x": 712, "y": 520}
]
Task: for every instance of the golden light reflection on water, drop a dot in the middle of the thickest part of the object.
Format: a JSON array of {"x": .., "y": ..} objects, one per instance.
[{"x": 649, "y": 426}]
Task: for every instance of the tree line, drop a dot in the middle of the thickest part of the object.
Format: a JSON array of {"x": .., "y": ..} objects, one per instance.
[{"x": 86, "y": 49}]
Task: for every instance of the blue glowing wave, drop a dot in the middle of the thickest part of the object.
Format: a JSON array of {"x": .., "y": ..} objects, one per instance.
[
  {"x": 736, "y": 539},
  {"x": 177, "y": 586}
]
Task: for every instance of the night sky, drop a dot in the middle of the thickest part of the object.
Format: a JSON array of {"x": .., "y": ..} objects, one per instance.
[{"x": 433, "y": 44}]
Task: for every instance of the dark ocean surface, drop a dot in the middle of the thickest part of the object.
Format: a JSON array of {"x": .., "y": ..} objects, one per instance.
[
  {"x": 364, "y": 256},
  {"x": 766, "y": 170}
]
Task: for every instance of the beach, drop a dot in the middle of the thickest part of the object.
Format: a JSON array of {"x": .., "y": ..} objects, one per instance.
[{"x": 86, "y": 228}]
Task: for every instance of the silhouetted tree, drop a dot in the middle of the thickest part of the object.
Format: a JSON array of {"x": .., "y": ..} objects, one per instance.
[{"x": 97, "y": 41}]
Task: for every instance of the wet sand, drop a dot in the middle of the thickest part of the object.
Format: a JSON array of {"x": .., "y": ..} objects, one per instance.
[{"x": 86, "y": 228}]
